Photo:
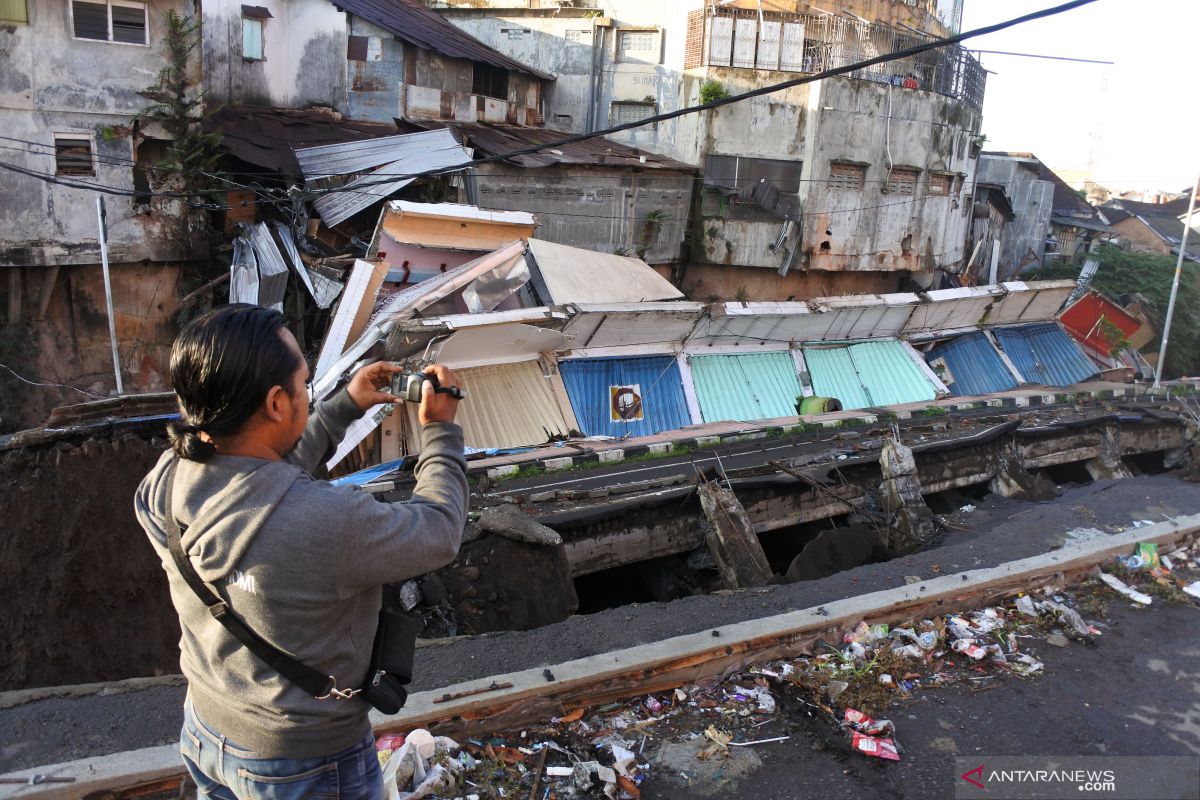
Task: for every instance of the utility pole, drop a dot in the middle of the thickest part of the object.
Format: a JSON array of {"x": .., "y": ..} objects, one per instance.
[
  {"x": 112, "y": 323},
  {"x": 1187, "y": 226}
]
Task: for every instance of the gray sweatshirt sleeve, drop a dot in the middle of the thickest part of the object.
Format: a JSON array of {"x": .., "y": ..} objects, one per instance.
[
  {"x": 326, "y": 427},
  {"x": 390, "y": 542}
]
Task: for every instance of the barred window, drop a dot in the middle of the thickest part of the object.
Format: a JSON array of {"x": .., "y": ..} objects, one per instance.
[
  {"x": 845, "y": 175},
  {"x": 73, "y": 155}
]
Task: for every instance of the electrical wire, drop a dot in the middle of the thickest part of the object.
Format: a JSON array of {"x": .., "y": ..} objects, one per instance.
[{"x": 19, "y": 377}]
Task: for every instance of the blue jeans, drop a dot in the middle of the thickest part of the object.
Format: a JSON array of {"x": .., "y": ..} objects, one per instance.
[{"x": 223, "y": 771}]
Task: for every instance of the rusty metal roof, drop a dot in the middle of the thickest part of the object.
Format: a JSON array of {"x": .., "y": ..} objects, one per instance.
[
  {"x": 414, "y": 23},
  {"x": 498, "y": 139},
  {"x": 266, "y": 137}
]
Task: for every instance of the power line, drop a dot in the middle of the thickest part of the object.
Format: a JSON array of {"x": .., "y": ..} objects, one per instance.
[
  {"x": 1050, "y": 58},
  {"x": 22, "y": 379},
  {"x": 737, "y": 98}
]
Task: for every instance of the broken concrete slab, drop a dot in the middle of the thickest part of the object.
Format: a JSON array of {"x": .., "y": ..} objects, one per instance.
[{"x": 508, "y": 520}]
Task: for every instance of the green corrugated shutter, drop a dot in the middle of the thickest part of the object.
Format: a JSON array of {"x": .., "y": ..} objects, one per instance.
[
  {"x": 868, "y": 374},
  {"x": 833, "y": 375},
  {"x": 745, "y": 386}
]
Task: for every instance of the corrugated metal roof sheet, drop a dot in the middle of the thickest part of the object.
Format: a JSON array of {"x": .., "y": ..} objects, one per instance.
[
  {"x": 573, "y": 275},
  {"x": 398, "y": 155},
  {"x": 973, "y": 366},
  {"x": 868, "y": 374},
  {"x": 1044, "y": 353},
  {"x": 266, "y": 137},
  {"x": 508, "y": 405},
  {"x": 592, "y": 385},
  {"x": 745, "y": 386},
  {"x": 497, "y": 139},
  {"x": 415, "y": 23}
]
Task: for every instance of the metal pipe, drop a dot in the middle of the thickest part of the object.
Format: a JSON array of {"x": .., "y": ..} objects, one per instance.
[
  {"x": 112, "y": 323},
  {"x": 1187, "y": 225}
]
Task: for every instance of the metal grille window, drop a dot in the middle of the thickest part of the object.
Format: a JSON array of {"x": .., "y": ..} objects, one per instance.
[
  {"x": 119, "y": 21},
  {"x": 940, "y": 184},
  {"x": 902, "y": 181},
  {"x": 639, "y": 46},
  {"x": 73, "y": 155},
  {"x": 844, "y": 175},
  {"x": 14, "y": 11},
  {"x": 623, "y": 111}
]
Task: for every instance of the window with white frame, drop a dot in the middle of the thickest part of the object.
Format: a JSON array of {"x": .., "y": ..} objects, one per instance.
[
  {"x": 14, "y": 11},
  {"x": 73, "y": 154},
  {"x": 640, "y": 46},
  {"x": 253, "y": 18},
  {"x": 121, "y": 21}
]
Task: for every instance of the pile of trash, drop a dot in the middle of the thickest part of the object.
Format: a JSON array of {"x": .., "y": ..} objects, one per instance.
[
  {"x": 610, "y": 750},
  {"x": 1149, "y": 573}
]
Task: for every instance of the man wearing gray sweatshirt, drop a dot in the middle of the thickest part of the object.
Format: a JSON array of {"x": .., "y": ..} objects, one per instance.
[{"x": 301, "y": 562}]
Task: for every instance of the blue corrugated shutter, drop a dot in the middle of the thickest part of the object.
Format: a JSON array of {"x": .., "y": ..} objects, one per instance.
[
  {"x": 975, "y": 366},
  {"x": 589, "y": 382},
  {"x": 879, "y": 373},
  {"x": 745, "y": 386},
  {"x": 1044, "y": 353}
]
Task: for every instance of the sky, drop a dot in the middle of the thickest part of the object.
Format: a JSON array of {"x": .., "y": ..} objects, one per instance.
[{"x": 1135, "y": 122}]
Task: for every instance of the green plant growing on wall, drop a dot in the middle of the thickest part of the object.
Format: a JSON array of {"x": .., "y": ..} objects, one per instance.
[
  {"x": 1113, "y": 336},
  {"x": 651, "y": 228},
  {"x": 712, "y": 90},
  {"x": 177, "y": 104}
]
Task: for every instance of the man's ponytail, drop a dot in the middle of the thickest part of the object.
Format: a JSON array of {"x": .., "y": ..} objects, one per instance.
[{"x": 186, "y": 442}]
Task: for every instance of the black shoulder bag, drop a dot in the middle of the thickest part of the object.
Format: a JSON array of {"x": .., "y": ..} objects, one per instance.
[{"x": 392, "y": 654}]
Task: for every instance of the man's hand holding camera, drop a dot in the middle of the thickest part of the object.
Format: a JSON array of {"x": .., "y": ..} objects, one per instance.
[{"x": 372, "y": 384}]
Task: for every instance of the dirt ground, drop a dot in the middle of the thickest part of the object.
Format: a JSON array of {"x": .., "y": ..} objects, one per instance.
[{"x": 85, "y": 598}]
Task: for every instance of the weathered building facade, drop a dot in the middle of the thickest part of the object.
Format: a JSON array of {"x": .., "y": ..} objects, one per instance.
[
  {"x": 863, "y": 181},
  {"x": 69, "y": 93}
]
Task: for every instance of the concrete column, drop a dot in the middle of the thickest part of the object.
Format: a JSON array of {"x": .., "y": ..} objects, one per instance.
[
  {"x": 910, "y": 520},
  {"x": 732, "y": 540},
  {"x": 1108, "y": 464}
]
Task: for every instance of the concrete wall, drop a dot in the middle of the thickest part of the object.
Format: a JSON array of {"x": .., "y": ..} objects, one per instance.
[
  {"x": 59, "y": 334},
  {"x": 1024, "y": 239},
  {"x": 304, "y": 48},
  {"x": 52, "y": 83},
  {"x": 712, "y": 282},
  {"x": 597, "y": 208}
]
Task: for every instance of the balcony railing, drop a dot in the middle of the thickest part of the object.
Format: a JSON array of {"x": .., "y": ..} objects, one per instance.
[{"x": 727, "y": 37}]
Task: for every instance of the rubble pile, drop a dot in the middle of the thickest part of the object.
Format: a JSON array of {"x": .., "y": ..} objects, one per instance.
[{"x": 845, "y": 687}]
